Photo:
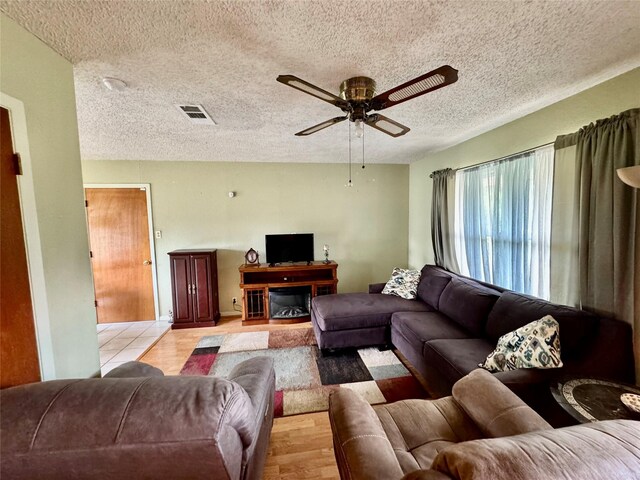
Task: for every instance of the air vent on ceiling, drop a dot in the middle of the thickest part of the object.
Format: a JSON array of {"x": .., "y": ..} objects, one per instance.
[{"x": 196, "y": 114}]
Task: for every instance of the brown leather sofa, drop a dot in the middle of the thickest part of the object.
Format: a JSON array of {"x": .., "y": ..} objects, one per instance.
[
  {"x": 138, "y": 424},
  {"x": 482, "y": 432}
]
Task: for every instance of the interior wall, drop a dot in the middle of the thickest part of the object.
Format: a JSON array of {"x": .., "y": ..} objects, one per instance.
[
  {"x": 541, "y": 127},
  {"x": 42, "y": 80},
  {"x": 365, "y": 226}
]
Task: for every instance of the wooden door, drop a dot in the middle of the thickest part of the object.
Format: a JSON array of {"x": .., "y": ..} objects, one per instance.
[
  {"x": 201, "y": 289},
  {"x": 120, "y": 254},
  {"x": 18, "y": 348},
  {"x": 181, "y": 288}
]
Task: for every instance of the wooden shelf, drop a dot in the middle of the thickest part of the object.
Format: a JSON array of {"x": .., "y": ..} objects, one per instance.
[{"x": 256, "y": 280}]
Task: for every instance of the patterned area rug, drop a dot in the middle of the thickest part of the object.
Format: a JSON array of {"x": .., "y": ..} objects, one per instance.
[{"x": 304, "y": 378}]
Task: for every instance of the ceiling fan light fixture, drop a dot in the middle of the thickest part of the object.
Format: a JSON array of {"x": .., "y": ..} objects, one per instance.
[
  {"x": 417, "y": 88},
  {"x": 359, "y": 128}
]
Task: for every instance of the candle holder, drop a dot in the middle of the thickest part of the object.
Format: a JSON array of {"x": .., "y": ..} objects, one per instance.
[{"x": 326, "y": 253}]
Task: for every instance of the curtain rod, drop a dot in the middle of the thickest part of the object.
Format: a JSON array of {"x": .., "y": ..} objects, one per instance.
[{"x": 500, "y": 158}]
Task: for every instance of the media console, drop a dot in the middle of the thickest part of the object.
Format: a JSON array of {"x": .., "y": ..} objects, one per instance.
[{"x": 265, "y": 289}]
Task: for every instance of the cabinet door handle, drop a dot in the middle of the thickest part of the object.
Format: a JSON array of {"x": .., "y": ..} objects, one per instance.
[
  {"x": 193, "y": 289},
  {"x": 147, "y": 262},
  {"x": 189, "y": 289}
]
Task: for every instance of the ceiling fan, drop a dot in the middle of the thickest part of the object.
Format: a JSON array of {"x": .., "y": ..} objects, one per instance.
[{"x": 358, "y": 98}]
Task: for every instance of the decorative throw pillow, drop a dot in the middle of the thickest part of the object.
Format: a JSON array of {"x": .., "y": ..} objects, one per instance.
[
  {"x": 535, "y": 345},
  {"x": 403, "y": 283}
]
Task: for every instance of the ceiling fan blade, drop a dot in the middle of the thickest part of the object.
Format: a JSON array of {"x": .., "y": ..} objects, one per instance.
[
  {"x": 386, "y": 125},
  {"x": 311, "y": 89},
  {"x": 438, "y": 78},
  {"x": 320, "y": 126}
]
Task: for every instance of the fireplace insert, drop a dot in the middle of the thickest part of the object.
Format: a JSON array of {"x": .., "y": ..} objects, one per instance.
[{"x": 290, "y": 302}]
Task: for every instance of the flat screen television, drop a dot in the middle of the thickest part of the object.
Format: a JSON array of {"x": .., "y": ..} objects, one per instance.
[{"x": 289, "y": 247}]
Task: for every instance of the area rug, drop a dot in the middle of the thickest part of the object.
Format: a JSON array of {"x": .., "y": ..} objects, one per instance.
[{"x": 304, "y": 377}]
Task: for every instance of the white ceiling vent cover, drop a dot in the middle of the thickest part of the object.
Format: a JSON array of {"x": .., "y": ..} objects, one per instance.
[{"x": 196, "y": 114}]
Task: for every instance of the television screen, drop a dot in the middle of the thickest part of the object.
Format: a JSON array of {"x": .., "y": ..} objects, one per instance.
[{"x": 290, "y": 247}]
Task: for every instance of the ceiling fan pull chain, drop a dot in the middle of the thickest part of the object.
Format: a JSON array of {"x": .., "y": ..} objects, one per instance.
[
  {"x": 349, "y": 184},
  {"x": 363, "y": 129}
]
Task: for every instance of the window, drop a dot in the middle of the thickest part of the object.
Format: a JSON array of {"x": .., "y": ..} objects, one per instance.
[{"x": 503, "y": 221}]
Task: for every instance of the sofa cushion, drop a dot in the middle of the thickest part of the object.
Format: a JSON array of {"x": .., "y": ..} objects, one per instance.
[
  {"x": 535, "y": 345},
  {"x": 358, "y": 310},
  {"x": 433, "y": 280},
  {"x": 513, "y": 310},
  {"x": 418, "y": 429},
  {"x": 454, "y": 358},
  {"x": 420, "y": 327},
  {"x": 493, "y": 407},
  {"x": 467, "y": 304},
  {"x": 609, "y": 449}
]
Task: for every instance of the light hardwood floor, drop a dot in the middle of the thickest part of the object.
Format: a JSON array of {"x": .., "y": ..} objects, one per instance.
[{"x": 300, "y": 447}]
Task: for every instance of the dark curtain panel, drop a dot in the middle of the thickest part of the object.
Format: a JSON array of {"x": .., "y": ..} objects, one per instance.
[
  {"x": 608, "y": 217},
  {"x": 439, "y": 214},
  {"x": 442, "y": 218}
]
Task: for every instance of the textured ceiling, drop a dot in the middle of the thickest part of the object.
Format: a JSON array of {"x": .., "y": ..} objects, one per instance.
[{"x": 514, "y": 57}]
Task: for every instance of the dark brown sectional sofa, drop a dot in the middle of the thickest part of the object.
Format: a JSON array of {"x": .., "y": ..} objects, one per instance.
[{"x": 455, "y": 322}]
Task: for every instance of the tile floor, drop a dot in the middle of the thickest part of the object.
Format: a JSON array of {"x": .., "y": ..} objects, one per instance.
[{"x": 122, "y": 342}]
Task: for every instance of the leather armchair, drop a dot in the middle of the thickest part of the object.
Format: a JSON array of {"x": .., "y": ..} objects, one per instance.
[{"x": 137, "y": 424}]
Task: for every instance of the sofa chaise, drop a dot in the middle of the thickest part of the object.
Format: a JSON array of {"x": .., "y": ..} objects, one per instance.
[
  {"x": 137, "y": 423},
  {"x": 455, "y": 322},
  {"x": 482, "y": 432}
]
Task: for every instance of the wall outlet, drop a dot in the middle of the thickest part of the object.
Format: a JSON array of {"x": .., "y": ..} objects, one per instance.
[{"x": 234, "y": 300}]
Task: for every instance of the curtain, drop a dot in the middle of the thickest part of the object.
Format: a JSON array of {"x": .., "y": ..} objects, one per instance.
[
  {"x": 504, "y": 215},
  {"x": 565, "y": 282},
  {"x": 608, "y": 218},
  {"x": 442, "y": 218}
]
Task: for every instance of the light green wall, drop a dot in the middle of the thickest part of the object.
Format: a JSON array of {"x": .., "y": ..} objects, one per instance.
[
  {"x": 365, "y": 226},
  {"x": 543, "y": 126},
  {"x": 33, "y": 73}
]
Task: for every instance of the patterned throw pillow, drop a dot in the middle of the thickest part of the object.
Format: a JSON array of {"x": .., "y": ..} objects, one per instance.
[
  {"x": 403, "y": 283},
  {"x": 536, "y": 345}
]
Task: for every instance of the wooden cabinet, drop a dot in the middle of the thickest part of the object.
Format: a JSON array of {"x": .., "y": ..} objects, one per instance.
[
  {"x": 255, "y": 281},
  {"x": 194, "y": 288}
]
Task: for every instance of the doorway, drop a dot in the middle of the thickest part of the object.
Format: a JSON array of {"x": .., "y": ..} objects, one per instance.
[
  {"x": 122, "y": 252},
  {"x": 18, "y": 346}
]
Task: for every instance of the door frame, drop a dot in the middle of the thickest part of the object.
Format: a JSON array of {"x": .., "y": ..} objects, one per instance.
[
  {"x": 35, "y": 264},
  {"x": 152, "y": 244}
]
